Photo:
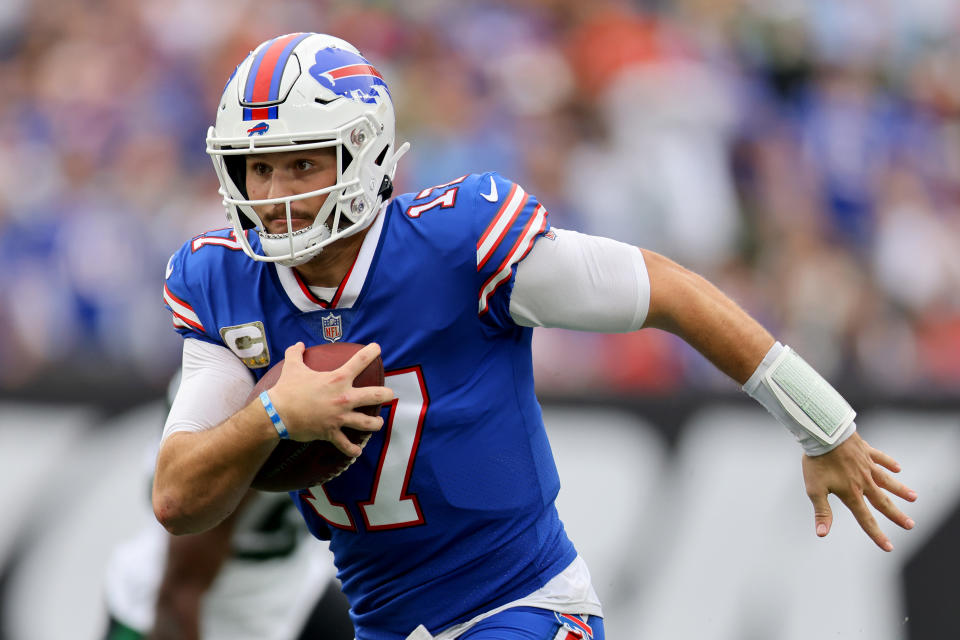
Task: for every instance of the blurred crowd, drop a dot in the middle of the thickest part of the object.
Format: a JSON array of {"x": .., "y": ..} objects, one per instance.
[{"x": 802, "y": 154}]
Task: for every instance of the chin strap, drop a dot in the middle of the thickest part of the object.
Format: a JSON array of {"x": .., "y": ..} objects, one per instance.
[{"x": 386, "y": 189}]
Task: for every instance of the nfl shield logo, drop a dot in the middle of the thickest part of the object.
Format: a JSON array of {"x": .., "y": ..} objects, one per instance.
[{"x": 332, "y": 329}]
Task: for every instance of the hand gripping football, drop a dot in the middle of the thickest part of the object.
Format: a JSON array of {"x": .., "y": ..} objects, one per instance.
[{"x": 296, "y": 465}]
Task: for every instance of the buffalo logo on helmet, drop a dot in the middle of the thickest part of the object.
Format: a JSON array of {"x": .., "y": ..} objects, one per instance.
[
  {"x": 259, "y": 129},
  {"x": 348, "y": 75}
]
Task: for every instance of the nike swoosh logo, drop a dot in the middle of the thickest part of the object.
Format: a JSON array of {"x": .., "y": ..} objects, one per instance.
[
  {"x": 492, "y": 196},
  {"x": 169, "y": 268}
]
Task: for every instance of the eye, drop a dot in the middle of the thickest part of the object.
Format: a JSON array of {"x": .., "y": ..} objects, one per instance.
[
  {"x": 260, "y": 168},
  {"x": 304, "y": 165}
]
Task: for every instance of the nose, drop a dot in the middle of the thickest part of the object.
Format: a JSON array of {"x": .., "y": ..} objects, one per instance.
[{"x": 281, "y": 185}]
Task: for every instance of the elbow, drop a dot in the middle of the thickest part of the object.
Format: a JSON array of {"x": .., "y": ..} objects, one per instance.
[
  {"x": 183, "y": 513},
  {"x": 675, "y": 293},
  {"x": 170, "y": 513},
  {"x": 175, "y": 505},
  {"x": 175, "y": 515}
]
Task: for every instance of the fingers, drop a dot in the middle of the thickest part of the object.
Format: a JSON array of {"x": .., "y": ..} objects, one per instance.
[
  {"x": 360, "y": 360},
  {"x": 822, "y": 515},
  {"x": 882, "y": 503},
  {"x": 367, "y": 396},
  {"x": 362, "y": 422},
  {"x": 885, "y": 482},
  {"x": 340, "y": 440},
  {"x": 294, "y": 352},
  {"x": 866, "y": 520},
  {"x": 854, "y": 471},
  {"x": 884, "y": 460},
  {"x": 357, "y": 422},
  {"x": 894, "y": 486},
  {"x": 875, "y": 494}
]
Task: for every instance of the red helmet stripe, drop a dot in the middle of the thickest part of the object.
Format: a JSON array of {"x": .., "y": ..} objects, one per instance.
[{"x": 267, "y": 65}]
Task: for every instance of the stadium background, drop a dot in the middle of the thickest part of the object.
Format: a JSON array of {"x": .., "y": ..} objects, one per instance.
[{"x": 802, "y": 154}]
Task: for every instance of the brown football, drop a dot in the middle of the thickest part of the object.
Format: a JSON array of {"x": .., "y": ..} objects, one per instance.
[{"x": 296, "y": 465}]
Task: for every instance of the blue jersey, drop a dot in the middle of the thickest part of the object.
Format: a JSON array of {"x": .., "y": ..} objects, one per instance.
[{"x": 449, "y": 511}]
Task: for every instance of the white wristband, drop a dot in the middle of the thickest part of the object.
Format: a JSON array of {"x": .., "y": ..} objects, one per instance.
[{"x": 802, "y": 400}]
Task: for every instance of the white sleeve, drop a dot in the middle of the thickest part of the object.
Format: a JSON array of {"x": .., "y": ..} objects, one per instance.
[
  {"x": 578, "y": 281},
  {"x": 214, "y": 385}
]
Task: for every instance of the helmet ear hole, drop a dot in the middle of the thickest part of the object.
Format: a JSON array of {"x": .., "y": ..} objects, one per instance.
[
  {"x": 383, "y": 154},
  {"x": 246, "y": 223},
  {"x": 237, "y": 170}
]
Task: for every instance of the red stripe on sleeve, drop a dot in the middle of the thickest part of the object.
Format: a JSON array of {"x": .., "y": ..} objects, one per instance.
[
  {"x": 198, "y": 327},
  {"x": 175, "y": 298},
  {"x": 503, "y": 232},
  {"x": 493, "y": 223},
  {"x": 501, "y": 274}
]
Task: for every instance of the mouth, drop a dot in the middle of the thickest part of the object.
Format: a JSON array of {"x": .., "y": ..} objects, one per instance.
[{"x": 277, "y": 225}]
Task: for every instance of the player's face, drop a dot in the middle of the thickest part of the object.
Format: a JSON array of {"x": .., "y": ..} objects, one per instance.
[{"x": 275, "y": 175}]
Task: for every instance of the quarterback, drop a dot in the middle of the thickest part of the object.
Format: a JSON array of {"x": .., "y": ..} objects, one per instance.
[{"x": 445, "y": 527}]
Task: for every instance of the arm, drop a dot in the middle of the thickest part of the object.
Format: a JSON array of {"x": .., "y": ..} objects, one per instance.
[
  {"x": 209, "y": 456},
  {"x": 620, "y": 288},
  {"x": 690, "y": 307},
  {"x": 193, "y": 563},
  {"x": 201, "y": 476},
  {"x": 616, "y": 291},
  {"x": 687, "y": 305}
]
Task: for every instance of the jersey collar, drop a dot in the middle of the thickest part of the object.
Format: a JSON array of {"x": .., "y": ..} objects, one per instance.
[{"x": 307, "y": 298}]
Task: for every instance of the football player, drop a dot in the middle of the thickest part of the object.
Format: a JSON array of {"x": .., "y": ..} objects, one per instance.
[
  {"x": 252, "y": 576},
  {"x": 445, "y": 527},
  {"x": 258, "y": 575}
]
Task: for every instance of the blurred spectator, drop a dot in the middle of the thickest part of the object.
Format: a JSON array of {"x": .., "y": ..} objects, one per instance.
[{"x": 804, "y": 154}]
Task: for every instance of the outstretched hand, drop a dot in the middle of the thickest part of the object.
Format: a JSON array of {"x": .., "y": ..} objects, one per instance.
[
  {"x": 854, "y": 471},
  {"x": 315, "y": 405}
]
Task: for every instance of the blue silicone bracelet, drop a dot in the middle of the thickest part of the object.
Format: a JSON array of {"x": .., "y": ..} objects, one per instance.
[{"x": 274, "y": 416}]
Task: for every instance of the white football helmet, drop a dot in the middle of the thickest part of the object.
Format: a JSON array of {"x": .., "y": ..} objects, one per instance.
[{"x": 306, "y": 91}]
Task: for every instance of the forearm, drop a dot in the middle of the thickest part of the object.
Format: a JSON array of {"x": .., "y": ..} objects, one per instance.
[
  {"x": 177, "y": 616},
  {"x": 193, "y": 563},
  {"x": 692, "y": 308},
  {"x": 202, "y": 476}
]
